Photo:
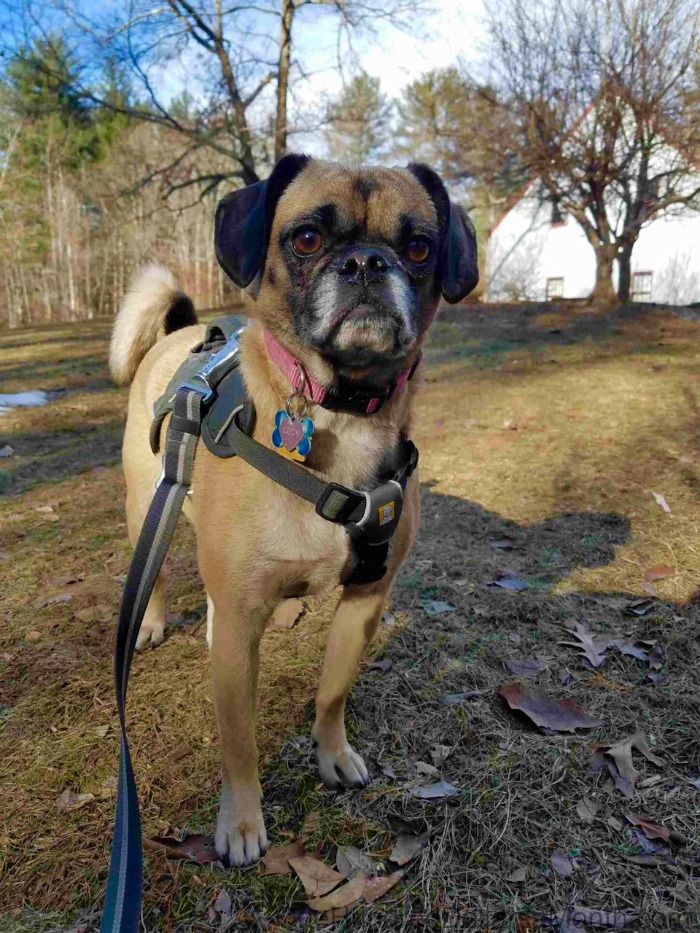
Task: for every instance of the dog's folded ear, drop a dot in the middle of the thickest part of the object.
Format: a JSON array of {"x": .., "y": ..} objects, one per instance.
[
  {"x": 459, "y": 270},
  {"x": 244, "y": 218}
]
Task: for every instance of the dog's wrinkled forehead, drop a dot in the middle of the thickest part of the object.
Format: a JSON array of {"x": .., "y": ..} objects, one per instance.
[{"x": 370, "y": 201}]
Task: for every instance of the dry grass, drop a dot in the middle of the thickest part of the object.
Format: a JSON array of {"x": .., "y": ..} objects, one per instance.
[{"x": 551, "y": 429}]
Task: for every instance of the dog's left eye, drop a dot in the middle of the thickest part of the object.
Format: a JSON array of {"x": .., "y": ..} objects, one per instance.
[
  {"x": 418, "y": 250},
  {"x": 306, "y": 241}
]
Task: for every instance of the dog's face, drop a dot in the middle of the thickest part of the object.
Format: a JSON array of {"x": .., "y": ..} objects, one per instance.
[{"x": 353, "y": 259}]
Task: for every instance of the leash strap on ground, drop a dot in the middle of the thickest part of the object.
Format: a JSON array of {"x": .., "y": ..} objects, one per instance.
[{"x": 122, "y": 909}]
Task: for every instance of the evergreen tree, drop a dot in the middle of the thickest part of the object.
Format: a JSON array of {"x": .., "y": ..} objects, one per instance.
[{"x": 358, "y": 121}]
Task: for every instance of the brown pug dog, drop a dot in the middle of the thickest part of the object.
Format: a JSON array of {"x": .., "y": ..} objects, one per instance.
[{"x": 345, "y": 267}]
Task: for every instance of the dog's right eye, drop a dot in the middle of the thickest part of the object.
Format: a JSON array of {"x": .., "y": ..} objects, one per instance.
[{"x": 306, "y": 241}]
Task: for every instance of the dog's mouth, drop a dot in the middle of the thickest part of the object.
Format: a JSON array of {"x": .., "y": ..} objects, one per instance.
[{"x": 368, "y": 333}]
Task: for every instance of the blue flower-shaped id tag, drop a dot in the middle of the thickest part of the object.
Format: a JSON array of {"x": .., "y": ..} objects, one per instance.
[{"x": 292, "y": 435}]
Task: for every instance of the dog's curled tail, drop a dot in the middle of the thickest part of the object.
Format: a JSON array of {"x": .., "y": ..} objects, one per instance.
[{"x": 153, "y": 307}]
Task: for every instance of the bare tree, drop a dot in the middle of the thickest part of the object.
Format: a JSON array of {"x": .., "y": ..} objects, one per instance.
[
  {"x": 605, "y": 99},
  {"x": 242, "y": 64}
]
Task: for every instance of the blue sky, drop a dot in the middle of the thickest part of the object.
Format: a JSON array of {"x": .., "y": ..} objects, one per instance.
[{"x": 393, "y": 55}]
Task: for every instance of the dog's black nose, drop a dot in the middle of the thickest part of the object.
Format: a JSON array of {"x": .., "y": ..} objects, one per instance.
[{"x": 364, "y": 264}]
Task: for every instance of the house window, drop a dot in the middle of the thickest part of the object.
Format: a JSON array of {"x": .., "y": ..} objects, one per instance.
[
  {"x": 641, "y": 286},
  {"x": 555, "y": 288}
]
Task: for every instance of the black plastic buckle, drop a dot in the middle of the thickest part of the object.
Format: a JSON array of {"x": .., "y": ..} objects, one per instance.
[{"x": 353, "y": 500}]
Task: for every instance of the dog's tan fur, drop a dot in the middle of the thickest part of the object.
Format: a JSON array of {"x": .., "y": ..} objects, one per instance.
[{"x": 259, "y": 544}]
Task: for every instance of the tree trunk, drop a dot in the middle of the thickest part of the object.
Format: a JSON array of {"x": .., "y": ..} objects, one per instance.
[
  {"x": 285, "y": 55},
  {"x": 603, "y": 290},
  {"x": 624, "y": 265}
]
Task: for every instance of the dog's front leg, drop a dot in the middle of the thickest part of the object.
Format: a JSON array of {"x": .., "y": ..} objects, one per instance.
[
  {"x": 240, "y": 831},
  {"x": 353, "y": 626},
  {"x": 355, "y": 621}
]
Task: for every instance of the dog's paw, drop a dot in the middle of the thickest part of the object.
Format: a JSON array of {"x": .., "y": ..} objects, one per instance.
[
  {"x": 240, "y": 837},
  {"x": 342, "y": 769},
  {"x": 151, "y": 634}
]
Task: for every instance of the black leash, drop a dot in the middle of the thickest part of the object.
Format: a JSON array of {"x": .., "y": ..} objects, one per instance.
[{"x": 122, "y": 909}]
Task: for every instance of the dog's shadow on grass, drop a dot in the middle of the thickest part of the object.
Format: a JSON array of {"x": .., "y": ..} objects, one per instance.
[
  {"x": 462, "y": 551},
  {"x": 461, "y": 540}
]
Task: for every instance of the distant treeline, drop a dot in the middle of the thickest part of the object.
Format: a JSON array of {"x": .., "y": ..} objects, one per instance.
[{"x": 77, "y": 217}]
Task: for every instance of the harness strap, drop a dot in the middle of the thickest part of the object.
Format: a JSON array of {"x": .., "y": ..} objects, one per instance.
[
  {"x": 370, "y": 518},
  {"x": 122, "y": 909},
  {"x": 348, "y": 502}
]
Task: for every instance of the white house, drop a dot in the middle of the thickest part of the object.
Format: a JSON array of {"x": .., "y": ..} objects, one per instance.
[{"x": 536, "y": 253}]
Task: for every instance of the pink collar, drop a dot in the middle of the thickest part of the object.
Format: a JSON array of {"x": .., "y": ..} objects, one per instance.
[{"x": 357, "y": 400}]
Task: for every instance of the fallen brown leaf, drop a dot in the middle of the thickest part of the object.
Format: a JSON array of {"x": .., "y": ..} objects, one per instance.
[
  {"x": 559, "y": 715},
  {"x": 524, "y": 667},
  {"x": 440, "y": 754},
  {"x": 658, "y": 572},
  {"x": 62, "y": 581},
  {"x": 654, "y": 831},
  {"x": 223, "y": 905},
  {"x": 99, "y": 613},
  {"x": 317, "y": 877},
  {"x": 276, "y": 859},
  {"x": 310, "y": 823},
  {"x": 44, "y": 601},
  {"x": 378, "y": 887},
  {"x": 422, "y": 767},
  {"x": 435, "y": 791},
  {"x": 625, "y": 774},
  {"x": 561, "y": 863},
  {"x": 407, "y": 846},
  {"x": 70, "y": 800},
  {"x": 593, "y": 649},
  {"x": 344, "y": 896},
  {"x": 651, "y": 830},
  {"x": 586, "y": 809},
  {"x": 194, "y": 848},
  {"x": 350, "y": 859},
  {"x": 635, "y": 647}
]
